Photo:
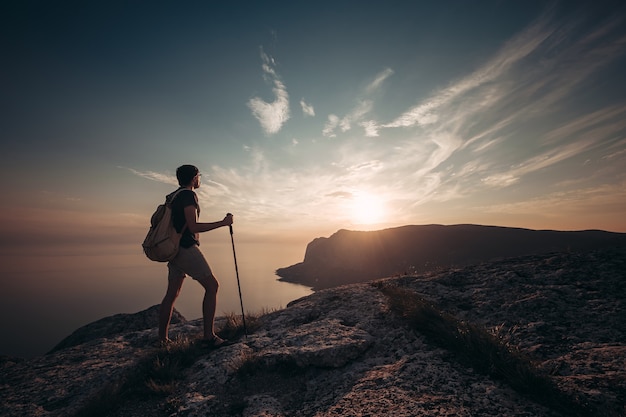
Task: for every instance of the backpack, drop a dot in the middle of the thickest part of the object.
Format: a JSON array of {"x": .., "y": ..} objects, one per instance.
[{"x": 162, "y": 241}]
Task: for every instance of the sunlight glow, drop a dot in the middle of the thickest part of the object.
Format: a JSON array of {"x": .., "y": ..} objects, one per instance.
[{"x": 366, "y": 209}]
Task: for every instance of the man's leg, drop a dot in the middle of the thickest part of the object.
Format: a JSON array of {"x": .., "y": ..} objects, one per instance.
[
  {"x": 195, "y": 265},
  {"x": 209, "y": 304},
  {"x": 174, "y": 284}
]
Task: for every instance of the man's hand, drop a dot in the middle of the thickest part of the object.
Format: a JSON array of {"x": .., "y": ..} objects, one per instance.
[{"x": 228, "y": 220}]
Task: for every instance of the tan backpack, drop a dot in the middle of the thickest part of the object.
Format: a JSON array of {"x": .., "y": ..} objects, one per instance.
[{"x": 162, "y": 241}]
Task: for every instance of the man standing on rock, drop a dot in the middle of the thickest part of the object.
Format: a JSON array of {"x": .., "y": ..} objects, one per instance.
[{"x": 190, "y": 260}]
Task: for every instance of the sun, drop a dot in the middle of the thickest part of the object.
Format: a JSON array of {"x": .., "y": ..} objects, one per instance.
[{"x": 366, "y": 208}]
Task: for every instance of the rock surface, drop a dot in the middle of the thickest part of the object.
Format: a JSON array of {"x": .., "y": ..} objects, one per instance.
[
  {"x": 117, "y": 324},
  {"x": 341, "y": 352}
]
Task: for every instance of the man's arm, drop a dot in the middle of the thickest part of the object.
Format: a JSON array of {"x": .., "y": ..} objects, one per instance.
[{"x": 191, "y": 216}]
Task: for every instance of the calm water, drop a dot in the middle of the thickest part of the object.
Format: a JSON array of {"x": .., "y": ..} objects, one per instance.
[{"x": 45, "y": 297}]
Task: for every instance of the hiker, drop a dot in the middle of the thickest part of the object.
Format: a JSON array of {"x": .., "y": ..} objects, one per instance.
[{"x": 190, "y": 260}]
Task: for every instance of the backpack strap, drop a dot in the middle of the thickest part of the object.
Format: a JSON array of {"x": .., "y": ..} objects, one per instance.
[
  {"x": 170, "y": 197},
  {"x": 168, "y": 202}
]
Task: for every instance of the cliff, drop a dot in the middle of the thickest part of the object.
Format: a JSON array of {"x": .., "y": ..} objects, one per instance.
[
  {"x": 350, "y": 351},
  {"x": 353, "y": 256}
]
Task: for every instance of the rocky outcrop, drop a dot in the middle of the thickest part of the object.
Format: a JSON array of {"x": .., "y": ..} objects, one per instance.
[
  {"x": 352, "y": 256},
  {"x": 111, "y": 326},
  {"x": 567, "y": 311},
  {"x": 342, "y": 352}
]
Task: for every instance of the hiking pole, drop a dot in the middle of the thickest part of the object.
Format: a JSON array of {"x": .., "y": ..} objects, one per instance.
[{"x": 243, "y": 317}]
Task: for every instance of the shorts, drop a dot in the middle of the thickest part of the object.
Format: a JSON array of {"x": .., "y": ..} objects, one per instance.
[{"x": 189, "y": 261}]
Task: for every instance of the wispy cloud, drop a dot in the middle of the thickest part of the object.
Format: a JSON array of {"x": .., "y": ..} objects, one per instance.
[
  {"x": 357, "y": 115},
  {"x": 340, "y": 194},
  {"x": 155, "y": 176},
  {"x": 307, "y": 109},
  {"x": 371, "y": 128},
  {"x": 510, "y": 99},
  {"x": 517, "y": 114},
  {"x": 345, "y": 123},
  {"x": 380, "y": 78},
  {"x": 271, "y": 115},
  {"x": 601, "y": 203},
  {"x": 537, "y": 162},
  {"x": 331, "y": 124},
  {"x": 511, "y": 53},
  {"x": 599, "y": 123}
]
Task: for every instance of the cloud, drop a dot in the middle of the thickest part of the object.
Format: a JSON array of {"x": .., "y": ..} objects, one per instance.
[
  {"x": 367, "y": 165},
  {"x": 330, "y": 126},
  {"x": 538, "y": 162},
  {"x": 600, "y": 123},
  {"x": 273, "y": 115},
  {"x": 446, "y": 145},
  {"x": 345, "y": 123},
  {"x": 603, "y": 204},
  {"x": 420, "y": 115},
  {"x": 617, "y": 154},
  {"x": 307, "y": 109},
  {"x": 155, "y": 176},
  {"x": 510, "y": 100},
  {"x": 515, "y": 115},
  {"x": 355, "y": 116},
  {"x": 380, "y": 78},
  {"x": 371, "y": 128},
  {"x": 511, "y": 53},
  {"x": 340, "y": 194}
]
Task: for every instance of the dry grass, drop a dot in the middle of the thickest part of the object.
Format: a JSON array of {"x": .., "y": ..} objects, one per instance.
[
  {"x": 486, "y": 353},
  {"x": 159, "y": 373}
]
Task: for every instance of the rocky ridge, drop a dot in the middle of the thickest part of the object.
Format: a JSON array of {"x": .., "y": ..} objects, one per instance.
[
  {"x": 341, "y": 352},
  {"x": 349, "y": 256}
]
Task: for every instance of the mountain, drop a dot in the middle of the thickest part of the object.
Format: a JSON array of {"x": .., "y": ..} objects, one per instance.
[
  {"x": 536, "y": 335},
  {"x": 355, "y": 256}
]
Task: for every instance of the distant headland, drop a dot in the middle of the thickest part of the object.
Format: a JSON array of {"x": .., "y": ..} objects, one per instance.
[{"x": 349, "y": 257}]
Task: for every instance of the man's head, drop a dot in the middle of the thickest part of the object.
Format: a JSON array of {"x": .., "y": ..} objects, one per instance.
[{"x": 186, "y": 174}]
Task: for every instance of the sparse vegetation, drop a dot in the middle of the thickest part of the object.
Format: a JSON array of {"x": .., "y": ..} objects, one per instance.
[
  {"x": 167, "y": 366},
  {"x": 485, "y": 352},
  {"x": 157, "y": 375},
  {"x": 233, "y": 328},
  {"x": 253, "y": 365}
]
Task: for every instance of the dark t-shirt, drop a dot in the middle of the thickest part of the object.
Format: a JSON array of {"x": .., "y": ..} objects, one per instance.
[{"x": 183, "y": 199}]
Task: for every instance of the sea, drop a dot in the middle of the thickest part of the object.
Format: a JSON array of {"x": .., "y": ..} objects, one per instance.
[{"x": 47, "y": 294}]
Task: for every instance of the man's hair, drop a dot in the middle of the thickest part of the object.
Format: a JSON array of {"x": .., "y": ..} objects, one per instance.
[{"x": 185, "y": 174}]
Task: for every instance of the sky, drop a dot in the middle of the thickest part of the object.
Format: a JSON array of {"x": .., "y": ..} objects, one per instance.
[{"x": 307, "y": 118}]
